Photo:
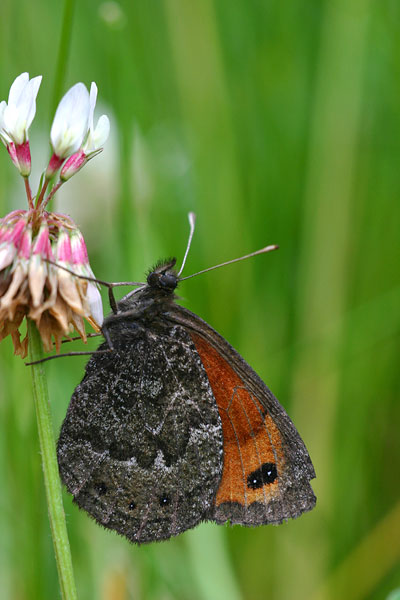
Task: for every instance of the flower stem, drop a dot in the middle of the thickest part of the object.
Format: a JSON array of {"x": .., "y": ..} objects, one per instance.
[
  {"x": 50, "y": 468},
  {"x": 28, "y": 192},
  {"x": 51, "y": 194},
  {"x": 39, "y": 199}
]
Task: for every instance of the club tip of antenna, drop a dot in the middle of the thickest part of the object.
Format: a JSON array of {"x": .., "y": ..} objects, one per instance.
[
  {"x": 192, "y": 218},
  {"x": 270, "y": 248}
]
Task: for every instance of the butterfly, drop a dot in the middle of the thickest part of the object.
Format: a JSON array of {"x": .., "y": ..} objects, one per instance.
[{"x": 170, "y": 427}]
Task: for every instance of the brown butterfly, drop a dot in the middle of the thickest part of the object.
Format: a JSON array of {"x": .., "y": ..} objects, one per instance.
[{"x": 172, "y": 427}]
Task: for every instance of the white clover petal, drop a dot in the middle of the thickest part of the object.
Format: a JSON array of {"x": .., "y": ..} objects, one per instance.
[
  {"x": 95, "y": 303},
  {"x": 102, "y": 130},
  {"x": 7, "y": 254},
  {"x": 10, "y": 120},
  {"x": 18, "y": 114},
  {"x": 3, "y": 105},
  {"x": 33, "y": 86},
  {"x": 93, "y": 99},
  {"x": 70, "y": 123},
  {"x": 17, "y": 88},
  {"x": 97, "y": 137},
  {"x": 3, "y": 134},
  {"x": 16, "y": 123}
]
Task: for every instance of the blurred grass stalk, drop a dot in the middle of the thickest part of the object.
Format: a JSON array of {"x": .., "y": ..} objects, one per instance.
[
  {"x": 63, "y": 53},
  {"x": 369, "y": 562},
  {"x": 50, "y": 468},
  {"x": 325, "y": 240},
  {"x": 211, "y": 565}
]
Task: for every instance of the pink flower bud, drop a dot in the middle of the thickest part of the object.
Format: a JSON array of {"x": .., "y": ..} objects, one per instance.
[
  {"x": 25, "y": 244},
  {"x": 17, "y": 232},
  {"x": 73, "y": 165},
  {"x": 64, "y": 252},
  {"x": 12, "y": 151},
  {"x": 6, "y": 233},
  {"x": 53, "y": 166},
  {"x": 79, "y": 251},
  {"x": 24, "y": 158},
  {"x": 20, "y": 154},
  {"x": 42, "y": 244}
]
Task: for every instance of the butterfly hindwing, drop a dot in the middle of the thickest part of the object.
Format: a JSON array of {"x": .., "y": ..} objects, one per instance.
[{"x": 141, "y": 445}]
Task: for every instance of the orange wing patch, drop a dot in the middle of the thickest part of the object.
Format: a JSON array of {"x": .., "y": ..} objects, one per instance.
[{"x": 253, "y": 454}]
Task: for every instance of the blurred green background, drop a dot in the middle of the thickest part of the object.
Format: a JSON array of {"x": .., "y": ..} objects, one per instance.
[{"x": 276, "y": 122}]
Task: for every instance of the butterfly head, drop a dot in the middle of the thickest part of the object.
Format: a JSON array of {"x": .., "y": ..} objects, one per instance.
[{"x": 163, "y": 276}]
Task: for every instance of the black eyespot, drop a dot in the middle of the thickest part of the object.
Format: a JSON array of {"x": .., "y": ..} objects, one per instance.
[
  {"x": 263, "y": 476},
  {"x": 164, "y": 500},
  {"x": 101, "y": 488},
  {"x": 132, "y": 505}
]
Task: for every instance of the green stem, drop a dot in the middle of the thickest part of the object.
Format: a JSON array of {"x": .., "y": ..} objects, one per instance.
[{"x": 50, "y": 468}]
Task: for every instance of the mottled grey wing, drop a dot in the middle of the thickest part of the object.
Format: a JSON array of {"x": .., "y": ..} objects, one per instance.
[{"x": 141, "y": 447}]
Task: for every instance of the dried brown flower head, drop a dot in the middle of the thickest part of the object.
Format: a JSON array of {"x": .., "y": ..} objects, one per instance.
[{"x": 33, "y": 287}]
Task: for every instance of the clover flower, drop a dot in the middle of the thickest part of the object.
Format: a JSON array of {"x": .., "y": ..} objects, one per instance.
[
  {"x": 16, "y": 117},
  {"x": 72, "y": 133},
  {"x": 96, "y": 136},
  {"x": 36, "y": 243}
]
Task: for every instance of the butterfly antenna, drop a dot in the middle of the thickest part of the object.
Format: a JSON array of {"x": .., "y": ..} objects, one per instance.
[
  {"x": 192, "y": 223},
  {"x": 229, "y": 262},
  {"x": 109, "y": 285}
]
